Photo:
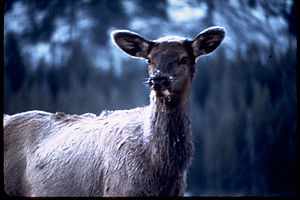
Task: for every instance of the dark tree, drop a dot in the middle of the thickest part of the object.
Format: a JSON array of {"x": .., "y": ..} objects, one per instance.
[{"x": 14, "y": 67}]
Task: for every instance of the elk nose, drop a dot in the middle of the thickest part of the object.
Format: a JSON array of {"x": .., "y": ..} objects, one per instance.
[{"x": 159, "y": 83}]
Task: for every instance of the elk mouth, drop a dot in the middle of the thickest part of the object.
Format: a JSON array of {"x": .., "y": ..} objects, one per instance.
[{"x": 162, "y": 93}]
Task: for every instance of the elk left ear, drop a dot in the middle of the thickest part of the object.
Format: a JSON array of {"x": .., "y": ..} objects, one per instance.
[
  {"x": 208, "y": 40},
  {"x": 131, "y": 43}
]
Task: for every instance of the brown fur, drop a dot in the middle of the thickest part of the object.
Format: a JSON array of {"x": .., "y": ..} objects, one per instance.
[{"x": 139, "y": 152}]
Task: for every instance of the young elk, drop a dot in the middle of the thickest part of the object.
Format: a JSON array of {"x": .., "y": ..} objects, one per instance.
[{"x": 140, "y": 152}]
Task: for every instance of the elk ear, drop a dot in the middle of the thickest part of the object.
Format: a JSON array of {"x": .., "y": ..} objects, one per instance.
[
  {"x": 131, "y": 43},
  {"x": 208, "y": 40}
]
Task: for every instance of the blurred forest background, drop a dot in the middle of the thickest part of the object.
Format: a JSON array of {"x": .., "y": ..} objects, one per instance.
[{"x": 58, "y": 56}]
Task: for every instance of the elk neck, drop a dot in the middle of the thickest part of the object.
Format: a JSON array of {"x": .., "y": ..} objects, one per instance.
[{"x": 169, "y": 133}]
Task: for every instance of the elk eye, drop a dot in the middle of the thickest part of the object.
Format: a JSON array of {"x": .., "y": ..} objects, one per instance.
[{"x": 183, "y": 60}]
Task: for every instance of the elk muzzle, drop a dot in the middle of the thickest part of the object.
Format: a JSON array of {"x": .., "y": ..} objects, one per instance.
[{"x": 159, "y": 83}]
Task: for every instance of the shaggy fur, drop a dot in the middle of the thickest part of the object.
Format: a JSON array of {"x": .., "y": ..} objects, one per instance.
[{"x": 110, "y": 155}]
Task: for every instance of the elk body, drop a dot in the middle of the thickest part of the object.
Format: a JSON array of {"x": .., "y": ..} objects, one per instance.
[{"x": 144, "y": 151}]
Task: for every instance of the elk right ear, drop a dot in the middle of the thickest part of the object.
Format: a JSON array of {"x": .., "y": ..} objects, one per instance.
[{"x": 131, "y": 43}]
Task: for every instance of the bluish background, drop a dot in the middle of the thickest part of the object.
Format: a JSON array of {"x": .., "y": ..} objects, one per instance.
[{"x": 58, "y": 56}]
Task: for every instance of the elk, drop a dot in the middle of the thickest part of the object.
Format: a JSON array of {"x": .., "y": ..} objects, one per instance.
[{"x": 145, "y": 151}]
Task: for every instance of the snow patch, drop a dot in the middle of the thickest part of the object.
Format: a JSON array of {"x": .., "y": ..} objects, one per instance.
[
  {"x": 62, "y": 32},
  {"x": 129, "y": 7},
  {"x": 258, "y": 13},
  {"x": 180, "y": 11},
  {"x": 15, "y": 20}
]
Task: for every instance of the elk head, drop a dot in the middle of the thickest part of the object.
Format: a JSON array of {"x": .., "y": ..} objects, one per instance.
[{"x": 171, "y": 60}]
